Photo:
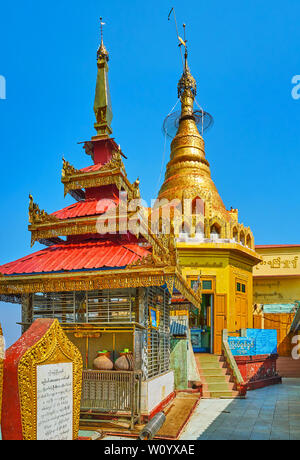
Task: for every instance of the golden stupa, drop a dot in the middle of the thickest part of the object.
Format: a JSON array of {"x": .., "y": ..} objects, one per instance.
[
  {"x": 216, "y": 252},
  {"x": 188, "y": 172}
]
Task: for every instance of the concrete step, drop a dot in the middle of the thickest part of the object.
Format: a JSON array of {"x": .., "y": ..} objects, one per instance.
[
  {"x": 219, "y": 387},
  {"x": 211, "y": 365},
  {"x": 208, "y": 358},
  {"x": 221, "y": 394},
  {"x": 217, "y": 378},
  {"x": 211, "y": 372}
]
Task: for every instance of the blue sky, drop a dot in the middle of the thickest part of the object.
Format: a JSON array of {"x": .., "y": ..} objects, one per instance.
[{"x": 243, "y": 55}]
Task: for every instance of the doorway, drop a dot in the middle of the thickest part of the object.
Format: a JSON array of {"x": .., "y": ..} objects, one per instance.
[{"x": 202, "y": 332}]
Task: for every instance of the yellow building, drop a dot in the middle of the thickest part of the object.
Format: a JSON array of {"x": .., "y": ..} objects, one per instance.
[
  {"x": 214, "y": 247},
  {"x": 276, "y": 293},
  {"x": 276, "y": 279}
]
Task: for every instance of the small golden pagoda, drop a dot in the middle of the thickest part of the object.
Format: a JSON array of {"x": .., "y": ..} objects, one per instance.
[{"x": 216, "y": 250}]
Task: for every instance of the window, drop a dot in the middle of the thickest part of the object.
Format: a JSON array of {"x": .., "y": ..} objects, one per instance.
[
  {"x": 207, "y": 285},
  {"x": 241, "y": 287}
]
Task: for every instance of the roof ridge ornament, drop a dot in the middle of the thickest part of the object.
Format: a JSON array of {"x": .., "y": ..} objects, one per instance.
[
  {"x": 68, "y": 169},
  {"x": 37, "y": 215}
]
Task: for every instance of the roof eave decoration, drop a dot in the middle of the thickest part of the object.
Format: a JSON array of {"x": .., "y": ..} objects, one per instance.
[
  {"x": 113, "y": 172},
  {"x": 107, "y": 279},
  {"x": 37, "y": 215}
]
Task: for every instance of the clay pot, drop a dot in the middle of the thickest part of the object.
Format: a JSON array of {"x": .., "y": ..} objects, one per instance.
[
  {"x": 103, "y": 362},
  {"x": 124, "y": 362}
]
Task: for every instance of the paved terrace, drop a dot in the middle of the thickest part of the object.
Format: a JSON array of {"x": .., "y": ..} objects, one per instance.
[{"x": 271, "y": 413}]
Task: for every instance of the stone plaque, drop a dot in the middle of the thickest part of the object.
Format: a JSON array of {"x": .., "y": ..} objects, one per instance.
[
  {"x": 42, "y": 385},
  {"x": 54, "y": 401}
]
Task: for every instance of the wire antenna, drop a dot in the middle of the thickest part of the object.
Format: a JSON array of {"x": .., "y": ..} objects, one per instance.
[{"x": 181, "y": 41}]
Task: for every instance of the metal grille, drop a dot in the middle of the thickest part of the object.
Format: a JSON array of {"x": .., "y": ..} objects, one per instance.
[
  {"x": 111, "y": 392},
  {"x": 116, "y": 307},
  {"x": 158, "y": 340},
  {"x": 105, "y": 306},
  {"x": 60, "y": 305},
  {"x": 110, "y": 306}
]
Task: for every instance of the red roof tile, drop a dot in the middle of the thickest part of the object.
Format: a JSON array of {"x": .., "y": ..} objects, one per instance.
[
  {"x": 92, "y": 168},
  {"x": 86, "y": 208},
  {"x": 77, "y": 256}
]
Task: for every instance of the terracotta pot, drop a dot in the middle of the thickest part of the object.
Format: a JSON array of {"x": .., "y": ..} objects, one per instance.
[
  {"x": 103, "y": 362},
  {"x": 124, "y": 362}
]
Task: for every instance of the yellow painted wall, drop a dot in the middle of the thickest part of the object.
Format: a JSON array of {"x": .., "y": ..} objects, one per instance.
[
  {"x": 278, "y": 261},
  {"x": 227, "y": 267},
  {"x": 277, "y": 277}
]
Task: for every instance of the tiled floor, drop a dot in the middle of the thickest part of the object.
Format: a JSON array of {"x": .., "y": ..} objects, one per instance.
[{"x": 271, "y": 413}]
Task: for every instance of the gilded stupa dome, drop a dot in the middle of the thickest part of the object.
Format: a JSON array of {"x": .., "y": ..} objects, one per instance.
[{"x": 188, "y": 172}]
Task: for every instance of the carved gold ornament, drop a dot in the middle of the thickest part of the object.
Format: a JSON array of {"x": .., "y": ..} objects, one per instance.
[
  {"x": 144, "y": 275},
  {"x": 68, "y": 170},
  {"x": 37, "y": 215},
  {"x": 53, "y": 348}
]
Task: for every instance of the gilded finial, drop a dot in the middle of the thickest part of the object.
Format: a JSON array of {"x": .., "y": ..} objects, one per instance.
[
  {"x": 187, "y": 81},
  {"x": 102, "y": 51},
  {"x": 136, "y": 189}
]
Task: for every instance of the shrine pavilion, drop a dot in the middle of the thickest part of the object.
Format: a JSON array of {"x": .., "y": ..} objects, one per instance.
[{"x": 110, "y": 289}]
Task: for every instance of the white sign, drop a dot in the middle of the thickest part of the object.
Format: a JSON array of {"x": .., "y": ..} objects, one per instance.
[{"x": 55, "y": 401}]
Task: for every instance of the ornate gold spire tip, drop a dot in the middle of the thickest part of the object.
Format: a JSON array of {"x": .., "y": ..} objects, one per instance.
[
  {"x": 102, "y": 103},
  {"x": 102, "y": 52}
]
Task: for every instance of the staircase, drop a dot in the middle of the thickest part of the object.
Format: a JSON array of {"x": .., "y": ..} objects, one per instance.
[
  {"x": 215, "y": 377},
  {"x": 288, "y": 367}
]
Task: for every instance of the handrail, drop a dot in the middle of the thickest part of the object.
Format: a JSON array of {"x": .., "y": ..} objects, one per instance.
[{"x": 240, "y": 383}]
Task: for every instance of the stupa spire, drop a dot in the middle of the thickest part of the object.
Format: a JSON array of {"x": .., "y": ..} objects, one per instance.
[
  {"x": 188, "y": 172},
  {"x": 102, "y": 104}
]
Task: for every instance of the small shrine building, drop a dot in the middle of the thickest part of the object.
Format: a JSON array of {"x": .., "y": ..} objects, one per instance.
[{"x": 104, "y": 275}]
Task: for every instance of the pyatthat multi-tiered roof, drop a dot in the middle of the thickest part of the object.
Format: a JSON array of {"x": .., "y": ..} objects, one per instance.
[{"x": 78, "y": 256}]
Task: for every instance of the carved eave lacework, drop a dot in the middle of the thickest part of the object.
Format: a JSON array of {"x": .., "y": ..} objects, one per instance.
[
  {"x": 68, "y": 170},
  {"x": 116, "y": 163},
  {"x": 63, "y": 227},
  {"x": 99, "y": 178},
  {"x": 37, "y": 215},
  {"x": 144, "y": 276},
  {"x": 79, "y": 226},
  {"x": 113, "y": 172}
]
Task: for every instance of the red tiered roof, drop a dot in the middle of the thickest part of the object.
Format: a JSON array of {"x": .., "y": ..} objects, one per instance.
[
  {"x": 88, "y": 207},
  {"x": 90, "y": 255}
]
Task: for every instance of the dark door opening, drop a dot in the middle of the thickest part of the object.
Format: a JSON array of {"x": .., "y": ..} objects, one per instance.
[{"x": 202, "y": 332}]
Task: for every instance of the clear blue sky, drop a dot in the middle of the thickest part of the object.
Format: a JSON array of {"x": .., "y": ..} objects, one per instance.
[{"x": 243, "y": 55}]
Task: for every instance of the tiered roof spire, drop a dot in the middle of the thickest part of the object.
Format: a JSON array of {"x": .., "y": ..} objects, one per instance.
[
  {"x": 188, "y": 172},
  {"x": 102, "y": 104}
]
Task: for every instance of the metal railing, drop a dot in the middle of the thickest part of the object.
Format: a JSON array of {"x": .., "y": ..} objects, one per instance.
[{"x": 112, "y": 392}]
